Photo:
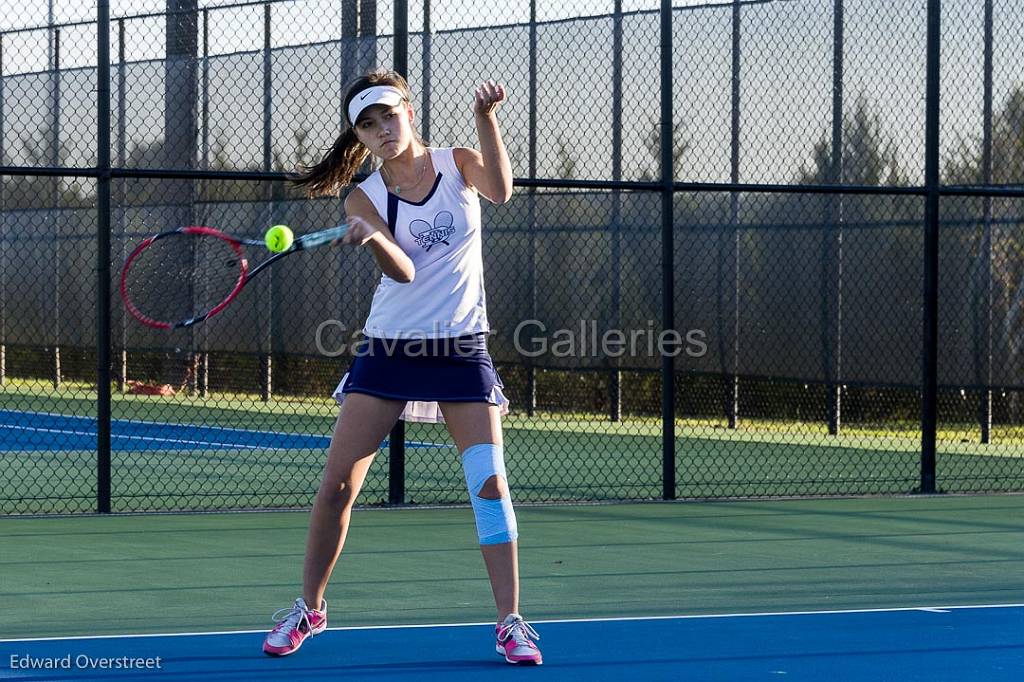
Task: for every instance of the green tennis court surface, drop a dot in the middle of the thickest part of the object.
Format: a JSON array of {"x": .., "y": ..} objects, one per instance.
[
  {"x": 198, "y": 573},
  {"x": 552, "y": 456}
]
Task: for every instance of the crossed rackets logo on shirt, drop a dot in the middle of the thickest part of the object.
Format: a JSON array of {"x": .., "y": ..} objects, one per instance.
[{"x": 428, "y": 236}]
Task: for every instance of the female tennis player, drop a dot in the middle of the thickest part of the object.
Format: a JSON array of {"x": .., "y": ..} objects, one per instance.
[{"x": 425, "y": 355}]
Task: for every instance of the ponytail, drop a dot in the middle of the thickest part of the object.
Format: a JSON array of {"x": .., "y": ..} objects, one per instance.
[{"x": 337, "y": 167}]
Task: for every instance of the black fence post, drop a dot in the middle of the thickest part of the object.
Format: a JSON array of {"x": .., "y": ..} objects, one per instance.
[
  {"x": 267, "y": 324},
  {"x": 103, "y": 257},
  {"x": 3, "y": 231},
  {"x": 58, "y": 260},
  {"x": 120, "y": 194},
  {"x": 985, "y": 328},
  {"x": 668, "y": 374},
  {"x": 396, "y": 449},
  {"x": 347, "y": 52},
  {"x": 732, "y": 385},
  {"x": 427, "y": 86},
  {"x": 833, "y": 320},
  {"x": 531, "y": 369},
  {"x": 929, "y": 369},
  {"x": 615, "y": 383},
  {"x": 201, "y": 365}
]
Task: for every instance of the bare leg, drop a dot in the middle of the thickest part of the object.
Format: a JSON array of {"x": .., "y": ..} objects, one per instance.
[
  {"x": 470, "y": 424},
  {"x": 503, "y": 570},
  {"x": 363, "y": 422}
]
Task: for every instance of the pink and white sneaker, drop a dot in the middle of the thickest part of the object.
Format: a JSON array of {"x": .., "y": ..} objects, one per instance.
[
  {"x": 514, "y": 641},
  {"x": 298, "y": 623}
]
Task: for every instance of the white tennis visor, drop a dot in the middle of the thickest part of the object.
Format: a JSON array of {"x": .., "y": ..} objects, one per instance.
[{"x": 378, "y": 94}]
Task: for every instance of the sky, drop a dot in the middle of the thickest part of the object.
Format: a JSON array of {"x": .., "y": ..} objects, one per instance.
[
  {"x": 307, "y": 22},
  {"x": 447, "y": 13},
  {"x": 786, "y": 91}
]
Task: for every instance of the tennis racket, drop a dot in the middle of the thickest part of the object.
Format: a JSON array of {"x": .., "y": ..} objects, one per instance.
[{"x": 182, "y": 277}]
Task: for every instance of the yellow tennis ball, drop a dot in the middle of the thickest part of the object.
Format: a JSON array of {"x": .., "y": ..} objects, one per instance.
[{"x": 279, "y": 238}]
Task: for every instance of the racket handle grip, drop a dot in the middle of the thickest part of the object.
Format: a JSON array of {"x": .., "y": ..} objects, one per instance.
[{"x": 315, "y": 239}]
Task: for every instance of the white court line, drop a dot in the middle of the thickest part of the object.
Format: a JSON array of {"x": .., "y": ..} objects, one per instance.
[
  {"x": 146, "y": 421},
  {"x": 180, "y": 441},
  {"x": 201, "y": 426},
  {"x": 931, "y": 609},
  {"x": 153, "y": 439}
]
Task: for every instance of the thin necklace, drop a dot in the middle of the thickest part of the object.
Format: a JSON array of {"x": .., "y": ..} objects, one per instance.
[{"x": 423, "y": 169}]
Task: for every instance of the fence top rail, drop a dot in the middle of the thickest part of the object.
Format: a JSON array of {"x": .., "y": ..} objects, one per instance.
[
  {"x": 1009, "y": 191},
  {"x": 250, "y": 3}
]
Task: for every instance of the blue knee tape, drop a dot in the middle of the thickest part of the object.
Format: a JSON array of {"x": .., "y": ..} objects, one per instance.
[{"x": 495, "y": 519}]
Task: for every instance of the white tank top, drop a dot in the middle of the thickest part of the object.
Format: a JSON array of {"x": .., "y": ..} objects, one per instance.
[{"x": 441, "y": 234}]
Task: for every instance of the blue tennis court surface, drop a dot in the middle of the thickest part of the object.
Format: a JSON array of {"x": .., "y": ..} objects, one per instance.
[
  {"x": 24, "y": 431},
  {"x": 949, "y": 643}
]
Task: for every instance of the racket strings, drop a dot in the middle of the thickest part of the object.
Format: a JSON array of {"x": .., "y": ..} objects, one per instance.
[{"x": 182, "y": 277}]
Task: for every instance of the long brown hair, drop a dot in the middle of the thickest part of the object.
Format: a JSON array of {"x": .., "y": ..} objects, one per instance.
[{"x": 336, "y": 168}]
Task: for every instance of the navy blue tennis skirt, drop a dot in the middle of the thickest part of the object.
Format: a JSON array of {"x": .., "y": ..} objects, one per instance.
[{"x": 424, "y": 372}]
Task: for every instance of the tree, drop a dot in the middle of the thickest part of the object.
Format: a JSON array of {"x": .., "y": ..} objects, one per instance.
[
  {"x": 791, "y": 263},
  {"x": 1008, "y": 140},
  {"x": 652, "y": 143},
  {"x": 869, "y": 156},
  {"x": 36, "y": 191},
  {"x": 566, "y": 168}
]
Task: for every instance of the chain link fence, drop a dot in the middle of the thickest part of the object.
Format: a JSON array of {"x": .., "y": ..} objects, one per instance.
[{"x": 691, "y": 294}]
